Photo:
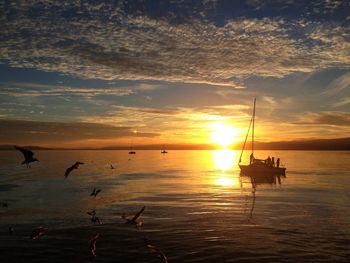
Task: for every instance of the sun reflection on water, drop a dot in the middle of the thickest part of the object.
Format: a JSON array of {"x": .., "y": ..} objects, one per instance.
[
  {"x": 224, "y": 159},
  {"x": 226, "y": 181}
]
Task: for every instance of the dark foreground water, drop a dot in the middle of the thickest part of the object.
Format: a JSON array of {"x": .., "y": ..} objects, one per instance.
[{"x": 198, "y": 208}]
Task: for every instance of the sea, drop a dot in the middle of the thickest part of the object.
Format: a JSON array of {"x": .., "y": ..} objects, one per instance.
[{"x": 198, "y": 208}]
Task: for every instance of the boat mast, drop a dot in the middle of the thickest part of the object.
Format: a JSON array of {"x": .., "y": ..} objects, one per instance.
[
  {"x": 253, "y": 127},
  {"x": 246, "y": 137},
  {"x": 245, "y": 141}
]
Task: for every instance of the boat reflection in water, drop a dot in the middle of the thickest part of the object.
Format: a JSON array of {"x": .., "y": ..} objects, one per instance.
[{"x": 259, "y": 179}]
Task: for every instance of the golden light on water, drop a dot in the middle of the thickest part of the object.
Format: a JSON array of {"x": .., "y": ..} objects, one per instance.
[
  {"x": 224, "y": 159},
  {"x": 226, "y": 181},
  {"x": 223, "y": 134}
]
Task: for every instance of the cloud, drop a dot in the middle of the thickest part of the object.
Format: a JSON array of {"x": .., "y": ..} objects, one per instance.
[
  {"x": 339, "y": 85},
  {"x": 37, "y": 90},
  {"x": 309, "y": 7},
  {"x": 170, "y": 120},
  {"x": 104, "y": 41},
  {"x": 341, "y": 102},
  {"x": 39, "y": 132},
  {"x": 332, "y": 118}
]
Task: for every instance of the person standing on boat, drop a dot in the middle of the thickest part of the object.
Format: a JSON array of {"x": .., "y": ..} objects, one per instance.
[
  {"x": 251, "y": 158},
  {"x": 278, "y": 163},
  {"x": 268, "y": 161}
]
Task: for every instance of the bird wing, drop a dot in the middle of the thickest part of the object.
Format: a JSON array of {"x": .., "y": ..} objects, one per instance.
[
  {"x": 68, "y": 171},
  {"x": 99, "y": 190},
  {"x": 94, "y": 239},
  {"x": 156, "y": 250},
  {"x": 138, "y": 214},
  {"x": 92, "y": 212},
  {"x": 93, "y": 192},
  {"x": 76, "y": 165},
  {"x": 92, "y": 243},
  {"x": 34, "y": 234},
  {"x": 28, "y": 154}
]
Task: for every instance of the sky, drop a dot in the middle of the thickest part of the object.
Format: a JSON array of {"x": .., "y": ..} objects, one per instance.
[{"x": 101, "y": 73}]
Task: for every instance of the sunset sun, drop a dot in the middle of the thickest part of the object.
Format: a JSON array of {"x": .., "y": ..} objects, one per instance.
[{"x": 223, "y": 134}]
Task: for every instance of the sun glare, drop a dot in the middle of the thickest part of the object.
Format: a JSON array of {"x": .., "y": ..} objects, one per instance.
[
  {"x": 226, "y": 181},
  {"x": 224, "y": 135},
  {"x": 224, "y": 159}
]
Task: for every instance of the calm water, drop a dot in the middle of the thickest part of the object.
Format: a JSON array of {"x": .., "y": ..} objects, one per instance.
[{"x": 198, "y": 208}]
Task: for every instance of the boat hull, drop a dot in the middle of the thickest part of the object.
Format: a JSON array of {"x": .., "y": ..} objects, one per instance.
[{"x": 261, "y": 169}]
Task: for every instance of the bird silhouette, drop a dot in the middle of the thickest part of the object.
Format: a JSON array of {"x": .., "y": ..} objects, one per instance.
[
  {"x": 73, "y": 167},
  {"x": 156, "y": 250},
  {"x": 38, "y": 232},
  {"x": 92, "y": 244},
  {"x": 28, "y": 156},
  {"x": 94, "y": 218},
  {"x": 95, "y": 192},
  {"x": 91, "y": 212},
  {"x": 112, "y": 167},
  {"x": 135, "y": 220}
]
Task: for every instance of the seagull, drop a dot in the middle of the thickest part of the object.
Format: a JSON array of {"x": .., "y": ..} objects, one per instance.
[
  {"x": 95, "y": 192},
  {"x": 92, "y": 244},
  {"x": 156, "y": 250},
  {"x": 112, "y": 167},
  {"x": 135, "y": 220},
  {"x": 92, "y": 212},
  {"x": 28, "y": 156},
  {"x": 94, "y": 218},
  {"x": 74, "y": 166},
  {"x": 38, "y": 232}
]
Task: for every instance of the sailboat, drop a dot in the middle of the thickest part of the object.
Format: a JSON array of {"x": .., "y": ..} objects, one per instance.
[
  {"x": 131, "y": 145},
  {"x": 163, "y": 151},
  {"x": 131, "y": 151},
  {"x": 259, "y": 166}
]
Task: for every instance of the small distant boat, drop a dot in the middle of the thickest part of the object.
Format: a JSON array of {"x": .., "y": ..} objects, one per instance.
[
  {"x": 259, "y": 166},
  {"x": 131, "y": 146},
  {"x": 164, "y": 151}
]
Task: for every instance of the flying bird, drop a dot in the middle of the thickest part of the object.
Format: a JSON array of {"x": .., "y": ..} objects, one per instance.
[
  {"x": 38, "y": 232},
  {"x": 28, "y": 156},
  {"x": 95, "y": 192},
  {"x": 135, "y": 220},
  {"x": 92, "y": 244},
  {"x": 156, "y": 250},
  {"x": 112, "y": 167},
  {"x": 91, "y": 212},
  {"x": 94, "y": 218},
  {"x": 73, "y": 167}
]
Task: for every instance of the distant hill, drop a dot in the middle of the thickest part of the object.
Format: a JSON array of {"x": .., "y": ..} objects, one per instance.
[
  {"x": 339, "y": 144},
  {"x": 12, "y": 147}
]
